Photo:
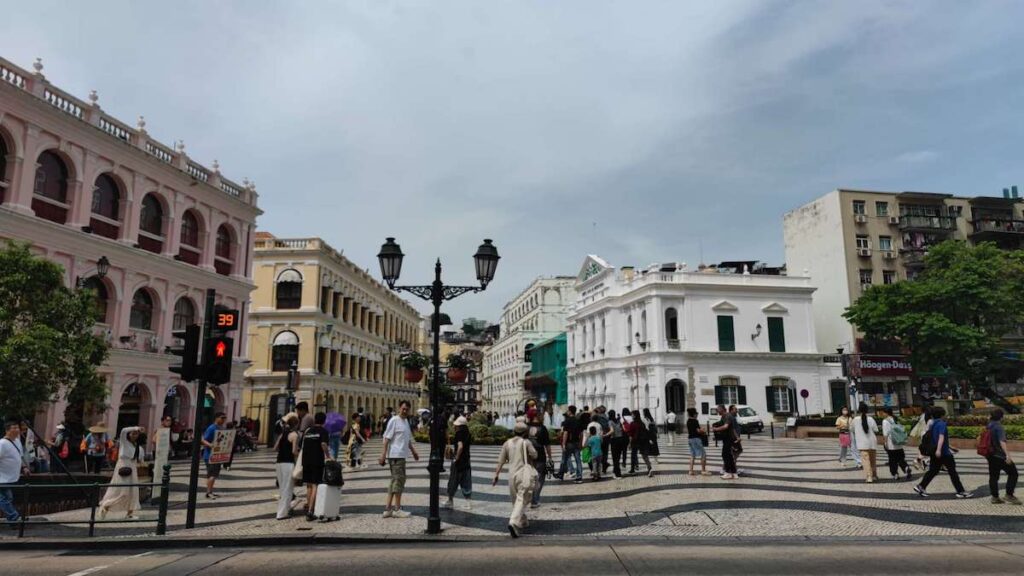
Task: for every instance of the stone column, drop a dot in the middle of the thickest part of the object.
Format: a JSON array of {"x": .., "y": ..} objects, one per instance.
[
  {"x": 691, "y": 387},
  {"x": 19, "y": 195}
]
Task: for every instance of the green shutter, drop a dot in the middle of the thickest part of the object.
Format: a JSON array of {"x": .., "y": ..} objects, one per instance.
[
  {"x": 792, "y": 402},
  {"x": 742, "y": 394},
  {"x": 726, "y": 336},
  {"x": 719, "y": 396},
  {"x": 776, "y": 335},
  {"x": 770, "y": 398}
]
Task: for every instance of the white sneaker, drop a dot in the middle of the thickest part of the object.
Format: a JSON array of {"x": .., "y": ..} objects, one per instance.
[
  {"x": 399, "y": 513},
  {"x": 447, "y": 505},
  {"x": 387, "y": 513}
]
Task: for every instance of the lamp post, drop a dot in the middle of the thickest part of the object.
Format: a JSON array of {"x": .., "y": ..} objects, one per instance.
[
  {"x": 292, "y": 384},
  {"x": 486, "y": 262},
  {"x": 102, "y": 265}
]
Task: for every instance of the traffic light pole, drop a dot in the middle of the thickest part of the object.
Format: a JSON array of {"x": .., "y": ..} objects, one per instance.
[{"x": 198, "y": 430}]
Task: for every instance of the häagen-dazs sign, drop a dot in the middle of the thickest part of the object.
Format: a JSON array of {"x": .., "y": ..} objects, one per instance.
[{"x": 868, "y": 365}]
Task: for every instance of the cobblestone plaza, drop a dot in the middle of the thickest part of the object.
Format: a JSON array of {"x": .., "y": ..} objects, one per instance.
[{"x": 789, "y": 488}]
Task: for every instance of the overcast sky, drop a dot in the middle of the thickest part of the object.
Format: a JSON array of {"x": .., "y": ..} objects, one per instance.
[{"x": 638, "y": 131}]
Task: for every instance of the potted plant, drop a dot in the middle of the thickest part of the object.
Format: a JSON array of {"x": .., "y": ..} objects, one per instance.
[
  {"x": 414, "y": 363},
  {"x": 457, "y": 367}
]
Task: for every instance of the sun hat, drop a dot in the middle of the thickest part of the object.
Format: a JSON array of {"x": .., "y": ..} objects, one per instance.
[
  {"x": 98, "y": 429},
  {"x": 520, "y": 428}
]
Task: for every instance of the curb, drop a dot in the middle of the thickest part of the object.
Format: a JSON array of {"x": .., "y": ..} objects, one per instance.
[{"x": 281, "y": 541}]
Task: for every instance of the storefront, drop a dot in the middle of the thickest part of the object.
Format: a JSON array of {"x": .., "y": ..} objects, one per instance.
[{"x": 882, "y": 381}]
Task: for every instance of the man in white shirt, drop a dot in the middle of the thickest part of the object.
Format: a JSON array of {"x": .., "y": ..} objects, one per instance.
[
  {"x": 12, "y": 466},
  {"x": 670, "y": 427},
  {"x": 397, "y": 447}
]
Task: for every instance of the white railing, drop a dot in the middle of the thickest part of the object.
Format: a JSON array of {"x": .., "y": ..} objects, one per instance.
[
  {"x": 287, "y": 243},
  {"x": 63, "y": 103},
  {"x": 159, "y": 152},
  {"x": 230, "y": 188},
  {"x": 116, "y": 130},
  {"x": 11, "y": 76},
  {"x": 198, "y": 172}
]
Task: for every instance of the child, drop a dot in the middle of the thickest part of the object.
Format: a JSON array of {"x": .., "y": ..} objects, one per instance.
[{"x": 594, "y": 441}]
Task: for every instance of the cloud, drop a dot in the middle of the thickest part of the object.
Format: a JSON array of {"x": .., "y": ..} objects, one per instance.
[{"x": 671, "y": 125}]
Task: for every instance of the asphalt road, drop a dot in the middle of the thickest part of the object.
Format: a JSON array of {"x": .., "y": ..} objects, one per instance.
[{"x": 630, "y": 558}]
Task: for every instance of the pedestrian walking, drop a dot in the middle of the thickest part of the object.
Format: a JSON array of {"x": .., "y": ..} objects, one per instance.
[
  {"x": 212, "y": 470},
  {"x": 596, "y": 455},
  {"x": 12, "y": 467},
  {"x": 727, "y": 435},
  {"x": 895, "y": 437},
  {"x": 305, "y": 418},
  {"x": 354, "y": 446},
  {"x": 618, "y": 441},
  {"x": 122, "y": 495},
  {"x": 652, "y": 435},
  {"x": 640, "y": 443},
  {"x": 571, "y": 437},
  {"x": 698, "y": 440},
  {"x": 520, "y": 455},
  {"x": 936, "y": 443},
  {"x": 95, "y": 446},
  {"x": 315, "y": 450},
  {"x": 923, "y": 426},
  {"x": 843, "y": 426},
  {"x": 601, "y": 413},
  {"x": 999, "y": 461},
  {"x": 397, "y": 448},
  {"x": 627, "y": 419},
  {"x": 865, "y": 432},
  {"x": 670, "y": 427},
  {"x": 460, "y": 475},
  {"x": 539, "y": 436},
  {"x": 287, "y": 448}
]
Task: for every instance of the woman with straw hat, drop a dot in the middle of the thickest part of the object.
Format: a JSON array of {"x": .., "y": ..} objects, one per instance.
[{"x": 95, "y": 446}]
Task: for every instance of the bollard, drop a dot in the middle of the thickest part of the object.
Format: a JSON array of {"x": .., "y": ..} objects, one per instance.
[
  {"x": 92, "y": 511},
  {"x": 772, "y": 424},
  {"x": 165, "y": 483}
]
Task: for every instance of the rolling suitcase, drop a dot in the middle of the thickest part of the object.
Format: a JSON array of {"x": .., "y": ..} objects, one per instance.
[{"x": 328, "y": 503}]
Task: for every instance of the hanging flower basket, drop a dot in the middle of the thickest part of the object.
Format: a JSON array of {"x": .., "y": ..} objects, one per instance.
[
  {"x": 457, "y": 375},
  {"x": 413, "y": 374}
]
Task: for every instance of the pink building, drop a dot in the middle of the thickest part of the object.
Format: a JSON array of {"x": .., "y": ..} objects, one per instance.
[{"x": 80, "y": 185}]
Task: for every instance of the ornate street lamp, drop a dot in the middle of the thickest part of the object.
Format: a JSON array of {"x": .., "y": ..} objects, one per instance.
[
  {"x": 102, "y": 266},
  {"x": 486, "y": 262}
]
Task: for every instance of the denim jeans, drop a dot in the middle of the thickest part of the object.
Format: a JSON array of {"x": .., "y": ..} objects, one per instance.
[
  {"x": 7, "y": 505},
  {"x": 572, "y": 451},
  {"x": 541, "y": 466}
]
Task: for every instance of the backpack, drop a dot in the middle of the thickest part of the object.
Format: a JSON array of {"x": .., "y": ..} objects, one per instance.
[
  {"x": 927, "y": 446},
  {"x": 985, "y": 442},
  {"x": 898, "y": 434},
  {"x": 332, "y": 474}
]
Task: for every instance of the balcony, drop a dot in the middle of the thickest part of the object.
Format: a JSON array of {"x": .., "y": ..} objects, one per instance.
[
  {"x": 996, "y": 228},
  {"x": 913, "y": 257},
  {"x": 928, "y": 223},
  {"x": 673, "y": 344}
]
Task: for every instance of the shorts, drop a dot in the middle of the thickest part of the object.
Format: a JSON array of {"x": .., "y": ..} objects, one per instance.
[
  {"x": 212, "y": 470},
  {"x": 312, "y": 474},
  {"x": 697, "y": 448},
  {"x": 397, "y": 484}
]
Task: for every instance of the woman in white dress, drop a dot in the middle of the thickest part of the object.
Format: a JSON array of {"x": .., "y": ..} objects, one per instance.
[{"x": 129, "y": 455}]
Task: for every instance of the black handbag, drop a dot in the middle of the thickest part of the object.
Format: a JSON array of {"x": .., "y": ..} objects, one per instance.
[
  {"x": 332, "y": 474},
  {"x": 124, "y": 471}
]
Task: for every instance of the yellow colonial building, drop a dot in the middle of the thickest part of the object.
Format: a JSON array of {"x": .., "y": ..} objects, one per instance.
[{"x": 343, "y": 330}]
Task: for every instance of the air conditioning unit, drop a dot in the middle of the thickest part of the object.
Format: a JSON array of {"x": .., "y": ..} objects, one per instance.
[
  {"x": 860, "y": 218},
  {"x": 888, "y": 255},
  {"x": 894, "y": 220},
  {"x": 864, "y": 252}
]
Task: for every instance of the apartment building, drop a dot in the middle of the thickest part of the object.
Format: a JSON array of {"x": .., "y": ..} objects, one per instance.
[{"x": 343, "y": 332}]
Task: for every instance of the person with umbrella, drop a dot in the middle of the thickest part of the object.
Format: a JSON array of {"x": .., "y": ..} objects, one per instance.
[{"x": 335, "y": 426}]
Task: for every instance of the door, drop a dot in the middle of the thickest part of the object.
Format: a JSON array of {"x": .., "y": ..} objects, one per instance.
[{"x": 837, "y": 391}]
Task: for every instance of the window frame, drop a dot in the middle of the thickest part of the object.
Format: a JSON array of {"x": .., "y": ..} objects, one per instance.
[
  {"x": 776, "y": 327},
  {"x": 881, "y": 208},
  {"x": 726, "y": 333},
  {"x": 137, "y": 308},
  {"x": 860, "y": 208},
  {"x": 146, "y": 217}
]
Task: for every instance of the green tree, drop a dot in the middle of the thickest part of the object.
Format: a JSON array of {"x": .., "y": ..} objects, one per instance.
[
  {"x": 954, "y": 313},
  {"x": 47, "y": 349}
]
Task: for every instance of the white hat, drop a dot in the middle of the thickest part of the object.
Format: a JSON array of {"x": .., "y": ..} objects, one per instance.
[{"x": 460, "y": 421}]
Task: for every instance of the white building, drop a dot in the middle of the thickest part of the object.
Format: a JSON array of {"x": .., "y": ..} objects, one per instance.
[
  {"x": 536, "y": 314},
  {"x": 667, "y": 338}
]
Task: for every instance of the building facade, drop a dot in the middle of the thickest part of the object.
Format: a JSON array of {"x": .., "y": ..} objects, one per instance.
[
  {"x": 80, "y": 185},
  {"x": 849, "y": 240},
  {"x": 343, "y": 330},
  {"x": 536, "y": 314},
  {"x": 668, "y": 339}
]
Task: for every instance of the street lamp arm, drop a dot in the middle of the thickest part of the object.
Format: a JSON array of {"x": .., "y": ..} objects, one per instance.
[
  {"x": 453, "y": 292},
  {"x": 423, "y": 292}
]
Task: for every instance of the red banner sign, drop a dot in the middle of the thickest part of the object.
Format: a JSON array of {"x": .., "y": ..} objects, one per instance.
[{"x": 869, "y": 365}]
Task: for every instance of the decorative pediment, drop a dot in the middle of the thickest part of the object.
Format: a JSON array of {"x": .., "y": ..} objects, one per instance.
[
  {"x": 725, "y": 306},
  {"x": 592, "y": 266},
  {"x": 774, "y": 308}
]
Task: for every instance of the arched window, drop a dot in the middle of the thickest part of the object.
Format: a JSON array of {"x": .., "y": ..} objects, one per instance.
[
  {"x": 643, "y": 326},
  {"x": 151, "y": 218},
  {"x": 142, "y": 310},
  {"x": 223, "y": 250},
  {"x": 672, "y": 327},
  {"x": 101, "y": 299},
  {"x": 3, "y": 168},
  {"x": 184, "y": 313},
  {"x": 285, "y": 351},
  {"x": 50, "y": 188},
  {"x": 629, "y": 333},
  {"x": 289, "y": 290},
  {"x": 106, "y": 198},
  {"x": 190, "y": 229}
]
